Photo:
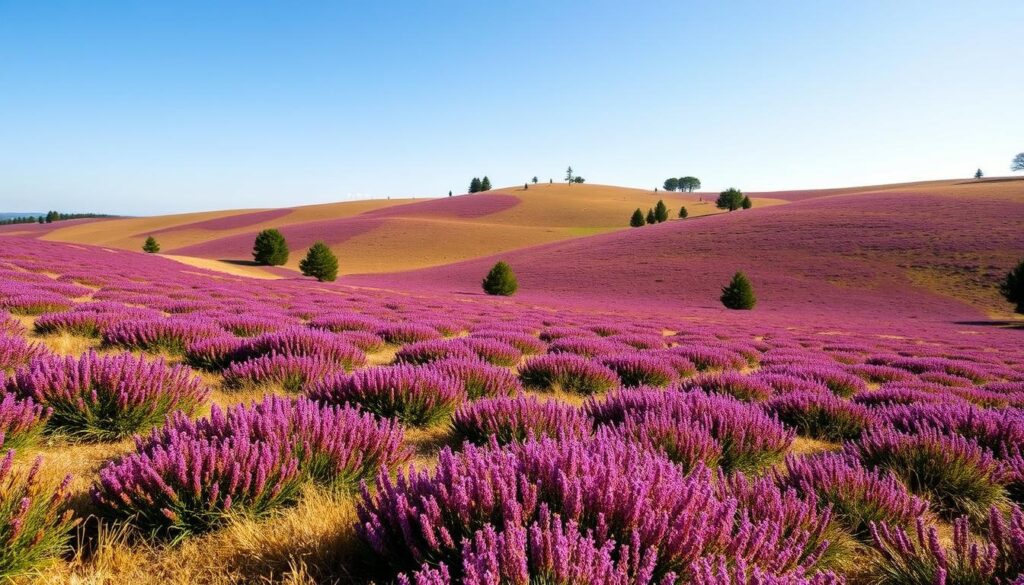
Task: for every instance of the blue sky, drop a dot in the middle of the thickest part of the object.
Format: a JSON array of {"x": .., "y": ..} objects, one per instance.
[{"x": 156, "y": 107}]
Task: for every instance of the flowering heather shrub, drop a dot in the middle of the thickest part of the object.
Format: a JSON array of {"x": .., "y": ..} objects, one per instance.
[
  {"x": 213, "y": 354},
  {"x": 639, "y": 340},
  {"x": 921, "y": 559},
  {"x": 921, "y": 365},
  {"x": 711, "y": 358},
  {"x": 414, "y": 396},
  {"x": 401, "y": 333},
  {"x": 991, "y": 429},
  {"x": 34, "y": 527},
  {"x": 21, "y": 420},
  {"x": 879, "y": 374},
  {"x": 481, "y": 380},
  {"x": 602, "y": 484},
  {"x": 108, "y": 398},
  {"x": 304, "y": 342},
  {"x": 83, "y": 323},
  {"x": 292, "y": 373},
  {"x": 858, "y": 497},
  {"x": 364, "y": 340},
  {"x": 838, "y": 380},
  {"x": 749, "y": 438},
  {"x": 524, "y": 342},
  {"x": 733, "y": 384},
  {"x": 493, "y": 351},
  {"x": 686, "y": 444},
  {"x": 821, "y": 416},
  {"x": 787, "y": 384},
  {"x": 248, "y": 325},
  {"x": 589, "y": 347},
  {"x": 944, "y": 379},
  {"x": 957, "y": 475},
  {"x": 34, "y": 302},
  {"x": 170, "y": 335},
  {"x": 514, "y": 419},
  {"x": 335, "y": 446},
  {"x": 567, "y": 372},
  {"x": 719, "y": 571},
  {"x": 15, "y": 353},
  {"x": 988, "y": 399},
  {"x": 9, "y": 326},
  {"x": 549, "y": 551},
  {"x": 552, "y": 333},
  {"x": 641, "y": 369},
  {"x": 183, "y": 485},
  {"x": 338, "y": 322},
  {"x": 897, "y": 395},
  {"x": 423, "y": 352}
]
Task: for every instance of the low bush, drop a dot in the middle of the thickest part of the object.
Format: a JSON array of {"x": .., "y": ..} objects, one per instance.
[
  {"x": 514, "y": 419},
  {"x": 567, "y": 372}
]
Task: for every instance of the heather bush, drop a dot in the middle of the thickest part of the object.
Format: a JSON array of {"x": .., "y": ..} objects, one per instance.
[
  {"x": 788, "y": 384},
  {"x": 423, "y": 352},
  {"x": 247, "y": 325},
  {"x": 35, "y": 302},
  {"x": 364, "y": 340},
  {"x": 415, "y": 396},
  {"x": 641, "y": 369},
  {"x": 9, "y": 326},
  {"x": 481, "y": 380},
  {"x": 710, "y": 358},
  {"x": 524, "y": 342},
  {"x": 108, "y": 398},
  {"x": 745, "y": 388},
  {"x": 168, "y": 335},
  {"x": 858, "y": 497},
  {"x": 493, "y": 351},
  {"x": 338, "y": 322},
  {"x": 820, "y": 416},
  {"x": 921, "y": 559},
  {"x": 292, "y": 373},
  {"x": 401, "y": 333},
  {"x": 589, "y": 347},
  {"x": 16, "y": 353},
  {"x": 304, "y": 342},
  {"x": 514, "y": 419},
  {"x": 21, "y": 420},
  {"x": 957, "y": 475},
  {"x": 83, "y": 323},
  {"x": 213, "y": 354},
  {"x": 838, "y": 380},
  {"x": 992, "y": 429},
  {"x": 34, "y": 525},
  {"x": 683, "y": 442},
  {"x": 568, "y": 373}
]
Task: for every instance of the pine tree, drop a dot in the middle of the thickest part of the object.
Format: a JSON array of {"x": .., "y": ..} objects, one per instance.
[
  {"x": 485, "y": 184},
  {"x": 500, "y": 280},
  {"x": 746, "y": 203},
  {"x": 978, "y": 174},
  {"x": 151, "y": 246},
  {"x": 568, "y": 175},
  {"x": 730, "y": 199},
  {"x": 1012, "y": 287},
  {"x": 650, "y": 216},
  {"x": 320, "y": 263},
  {"x": 738, "y": 294},
  {"x": 671, "y": 184},
  {"x": 661, "y": 212},
  {"x": 526, "y": 186},
  {"x": 270, "y": 248},
  {"x": 638, "y": 219},
  {"x": 474, "y": 185},
  {"x": 683, "y": 213},
  {"x": 449, "y": 192},
  {"x": 535, "y": 179}
]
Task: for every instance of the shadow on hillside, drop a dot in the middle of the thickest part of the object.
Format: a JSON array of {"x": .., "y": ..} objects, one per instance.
[
  {"x": 239, "y": 262},
  {"x": 994, "y": 323}
]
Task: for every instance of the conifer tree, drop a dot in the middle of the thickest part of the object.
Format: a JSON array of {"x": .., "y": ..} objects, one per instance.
[
  {"x": 738, "y": 294},
  {"x": 746, "y": 203},
  {"x": 661, "y": 212},
  {"x": 1012, "y": 287},
  {"x": 270, "y": 248},
  {"x": 730, "y": 199},
  {"x": 978, "y": 174},
  {"x": 500, "y": 280},
  {"x": 474, "y": 185},
  {"x": 638, "y": 219},
  {"x": 650, "y": 216},
  {"x": 485, "y": 184},
  {"x": 683, "y": 213},
  {"x": 151, "y": 246},
  {"x": 320, "y": 263}
]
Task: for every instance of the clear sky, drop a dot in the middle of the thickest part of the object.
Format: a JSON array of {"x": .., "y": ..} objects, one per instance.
[{"x": 144, "y": 107}]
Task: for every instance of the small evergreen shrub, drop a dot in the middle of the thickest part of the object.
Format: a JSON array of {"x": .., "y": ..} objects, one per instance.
[
  {"x": 151, "y": 246},
  {"x": 683, "y": 214},
  {"x": 637, "y": 220},
  {"x": 320, "y": 263},
  {"x": 660, "y": 212},
  {"x": 500, "y": 280},
  {"x": 739, "y": 294},
  {"x": 1012, "y": 287}
]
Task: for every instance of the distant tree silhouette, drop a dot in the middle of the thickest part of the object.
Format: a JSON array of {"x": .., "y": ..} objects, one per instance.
[
  {"x": 449, "y": 192},
  {"x": 683, "y": 213},
  {"x": 671, "y": 184},
  {"x": 578, "y": 180},
  {"x": 1018, "y": 163},
  {"x": 500, "y": 280},
  {"x": 1012, "y": 287},
  {"x": 474, "y": 185},
  {"x": 660, "y": 212},
  {"x": 485, "y": 184},
  {"x": 638, "y": 219},
  {"x": 651, "y": 217},
  {"x": 568, "y": 175},
  {"x": 534, "y": 179},
  {"x": 270, "y": 248},
  {"x": 978, "y": 174},
  {"x": 746, "y": 203},
  {"x": 730, "y": 199},
  {"x": 738, "y": 294},
  {"x": 526, "y": 186},
  {"x": 151, "y": 246},
  {"x": 320, "y": 263},
  {"x": 689, "y": 184}
]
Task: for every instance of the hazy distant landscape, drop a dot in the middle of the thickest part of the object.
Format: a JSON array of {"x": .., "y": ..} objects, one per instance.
[{"x": 318, "y": 297}]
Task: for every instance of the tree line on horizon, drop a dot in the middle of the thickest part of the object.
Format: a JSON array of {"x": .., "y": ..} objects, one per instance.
[{"x": 50, "y": 217}]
